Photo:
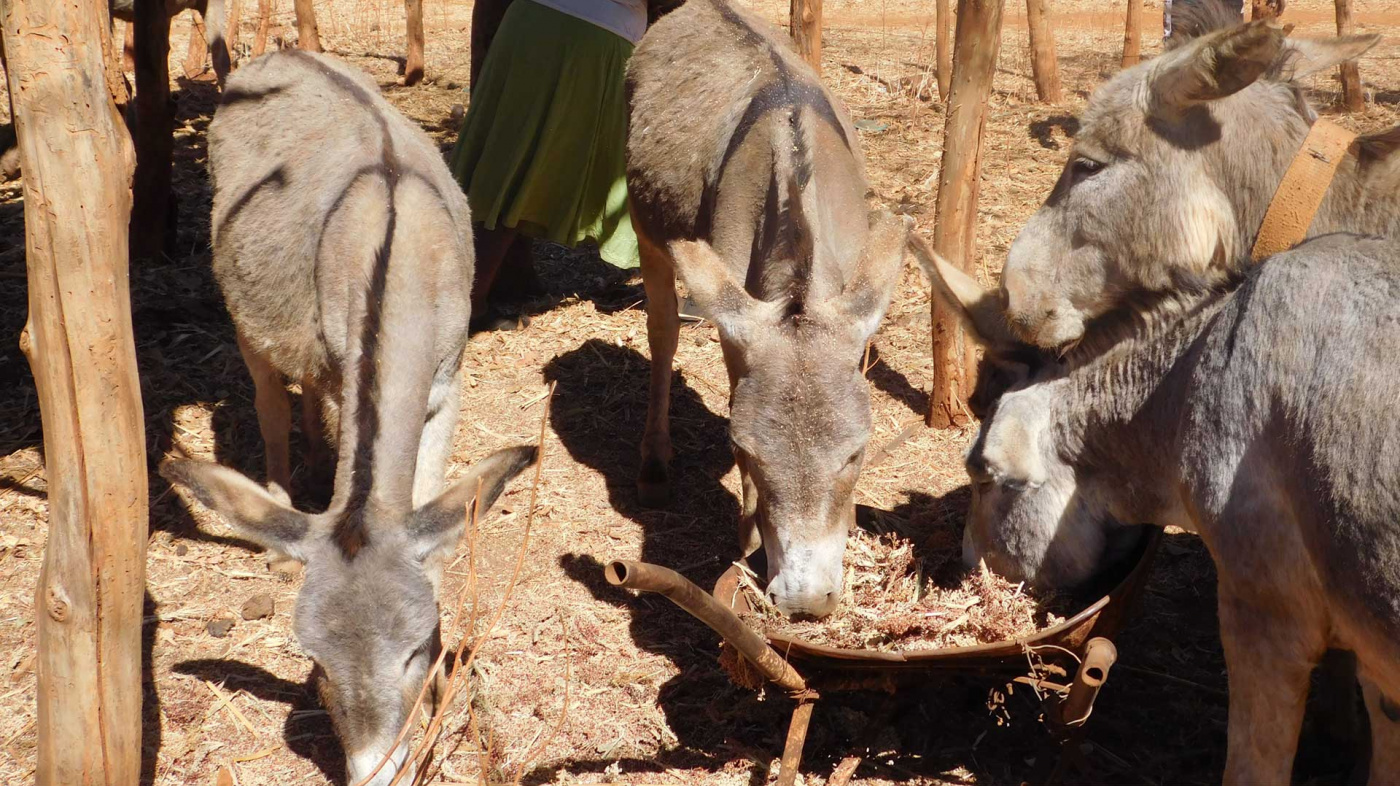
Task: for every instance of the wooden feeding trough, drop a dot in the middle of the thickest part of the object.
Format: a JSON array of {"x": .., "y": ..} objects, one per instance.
[{"x": 1067, "y": 663}]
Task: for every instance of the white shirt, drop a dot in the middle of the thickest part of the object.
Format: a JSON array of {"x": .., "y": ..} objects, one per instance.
[{"x": 627, "y": 18}]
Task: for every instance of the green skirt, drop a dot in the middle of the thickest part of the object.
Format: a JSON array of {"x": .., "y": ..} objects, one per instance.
[{"x": 542, "y": 148}]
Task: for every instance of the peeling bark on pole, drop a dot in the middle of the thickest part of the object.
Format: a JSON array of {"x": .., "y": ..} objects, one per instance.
[
  {"x": 1132, "y": 35},
  {"x": 805, "y": 22},
  {"x": 978, "y": 40},
  {"x": 1352, "y": 98},
  {"x": 942, "y": 52},
  {"x": 78, "y": 163},
  {"x": 153, "y": 130},
  {"x": 413, "y": 65},
  {"x": 308, "y": 37},
  {"x": 1044, "y": 67}
]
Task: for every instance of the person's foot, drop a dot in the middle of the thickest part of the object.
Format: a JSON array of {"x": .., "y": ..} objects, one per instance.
[{"x": 517, "y": 281}]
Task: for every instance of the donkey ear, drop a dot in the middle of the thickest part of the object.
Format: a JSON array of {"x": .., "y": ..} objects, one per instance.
[
  {"x": 1007, "y": 450},
  {"x": 439, "y": 523},
  {"x": 251, "y": 510},
  {"x": 719, "y": 297},
  {"x": 981, "y": 311},
  {"x": 1305, "y": 58},
  {"x": 867, "y": 295},
  {"x": 1212, "y": 67}
]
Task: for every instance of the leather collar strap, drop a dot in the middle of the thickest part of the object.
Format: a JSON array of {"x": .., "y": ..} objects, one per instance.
[{"x": 1300, "y": 193}]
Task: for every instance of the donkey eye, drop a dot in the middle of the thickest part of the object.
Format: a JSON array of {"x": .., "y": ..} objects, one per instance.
[
  {"x": 855, "y": 457},
  {"x": 421, "y": 651},
  {"x": 1083, "y": 168}
]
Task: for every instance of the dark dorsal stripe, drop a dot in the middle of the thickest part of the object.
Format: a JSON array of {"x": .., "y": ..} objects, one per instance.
[{"x": 786, "y": 91}]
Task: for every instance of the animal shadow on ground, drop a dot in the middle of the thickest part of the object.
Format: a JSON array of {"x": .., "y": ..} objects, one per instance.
[
  {"x": 307, "y": 729},
  {"x": 1043, "y": 131}
]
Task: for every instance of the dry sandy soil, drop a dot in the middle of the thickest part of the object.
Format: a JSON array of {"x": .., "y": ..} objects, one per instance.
[{"x": 646, "y": 699}]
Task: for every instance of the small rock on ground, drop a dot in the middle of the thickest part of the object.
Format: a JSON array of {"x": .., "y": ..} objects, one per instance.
[
  {"x": 219, "y": 628},
  {"x": 258, "y": 607}
]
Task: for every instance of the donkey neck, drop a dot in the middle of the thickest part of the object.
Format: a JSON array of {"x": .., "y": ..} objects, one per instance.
[{"x": 1123, "y": 401}]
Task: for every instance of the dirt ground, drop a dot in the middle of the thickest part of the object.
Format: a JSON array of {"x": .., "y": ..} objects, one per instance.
[{"x": 646, "y": 700}]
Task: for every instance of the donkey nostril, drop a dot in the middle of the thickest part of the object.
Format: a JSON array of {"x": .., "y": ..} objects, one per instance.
[{"x": 772, "y": 597}]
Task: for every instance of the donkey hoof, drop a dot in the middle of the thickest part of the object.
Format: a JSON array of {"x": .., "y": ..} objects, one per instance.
[{"x": 654, "y": 485}]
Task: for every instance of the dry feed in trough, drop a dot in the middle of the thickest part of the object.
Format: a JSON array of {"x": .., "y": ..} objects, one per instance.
[{"x": 904, "y": 594}]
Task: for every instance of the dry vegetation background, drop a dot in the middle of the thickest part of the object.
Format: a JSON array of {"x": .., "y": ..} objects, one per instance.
[{"x": 647, "y": 701}]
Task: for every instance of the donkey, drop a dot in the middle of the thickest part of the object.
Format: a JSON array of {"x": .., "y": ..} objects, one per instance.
[
  {"x": 1262, "y": 419},
  {"x": 1173, "y": 167},
  {"x": 745, "y": 178},
  {"x": 342, "y": 246}
]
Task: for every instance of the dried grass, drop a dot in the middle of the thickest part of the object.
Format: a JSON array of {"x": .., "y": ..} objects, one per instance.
[{"x": 903, "y": 594}]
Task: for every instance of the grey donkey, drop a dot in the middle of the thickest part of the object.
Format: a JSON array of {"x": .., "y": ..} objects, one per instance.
[
  {"x": 1264, "y": 419},
  {"x": 745, "y": 178},
  {"x": 1172, "y": 169},
  {"x": 342, "y": 246}
]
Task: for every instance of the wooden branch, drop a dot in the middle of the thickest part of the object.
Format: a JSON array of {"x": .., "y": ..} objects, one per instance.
[
  {"x": 805, "y": 22},
  {"x": 231, "y": 23},
  {"x": 198, "y": 46},
  {"x": 264, "y": 21},
  {"x": 1044, "y": 66},
  {"x": 942, "y": 52},
  {"x": 977, "y": 43},
  {"x": 154, "y": 128},
  {"x": 307, "y": 36},
  {"x": 1352, "y": 98},
  {"x": 77, "y": 162},
  {"x": 413, "y": 65},
  {"x": 1132, "y": 35}
]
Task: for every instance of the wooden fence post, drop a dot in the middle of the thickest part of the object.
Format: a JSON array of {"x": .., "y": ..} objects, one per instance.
[
  {"x": 942, "y": 53},
  {"x": 977, "y": 42},
  {"x": 805, "y": 24},
  {"x": 264, "y": 22},
  {"x": 308, "y": 37},
  {"x": 153, "y": 130},
  {"x": 1132, "y": 35},
  {"x": 1044, "y": 67},
  {"x": 77, "y": 161},
  {"x": 194, "y": 54},
  {"x": 413, "y": 64},
  {"x": 1352, "y": 97}
]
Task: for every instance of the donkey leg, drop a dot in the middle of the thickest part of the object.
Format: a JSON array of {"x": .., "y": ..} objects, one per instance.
[
  {"x": 1384, "y": 712},
  {"x": 320, "y": 455},
  {"x": 663, "y": 331},
  {"x": 274, "y": 418},
  {"x": 1269, "y": 657}
]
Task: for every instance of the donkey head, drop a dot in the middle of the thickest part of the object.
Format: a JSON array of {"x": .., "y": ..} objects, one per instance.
[
  {"x": 1031, "y": 519},
  {"x": 799, "y": 407},
  {"x": 367, "y": 612},
  {"x": 1169, "y": 177}
]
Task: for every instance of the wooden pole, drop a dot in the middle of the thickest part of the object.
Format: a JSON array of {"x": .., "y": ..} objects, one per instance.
[
  {"x": 413, "y": 65},
  {"x": 805, "y": 22},
  {"x": 77, "y": 161},
  {"x": 942, "y": 52},
  {"x": 1044, "y": 66},
  {"x": 1132, "y": 35},
  {"x": 1352, "y": 98},
  {"x": 194, "y": 54},
  {"x": 153, "y": 130},
  {"x": 307, "y": 36},
  {"x": 231, "y": 23},
  {"x": 977, "y": 42},
  {"x": 264, "y": 21}
]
